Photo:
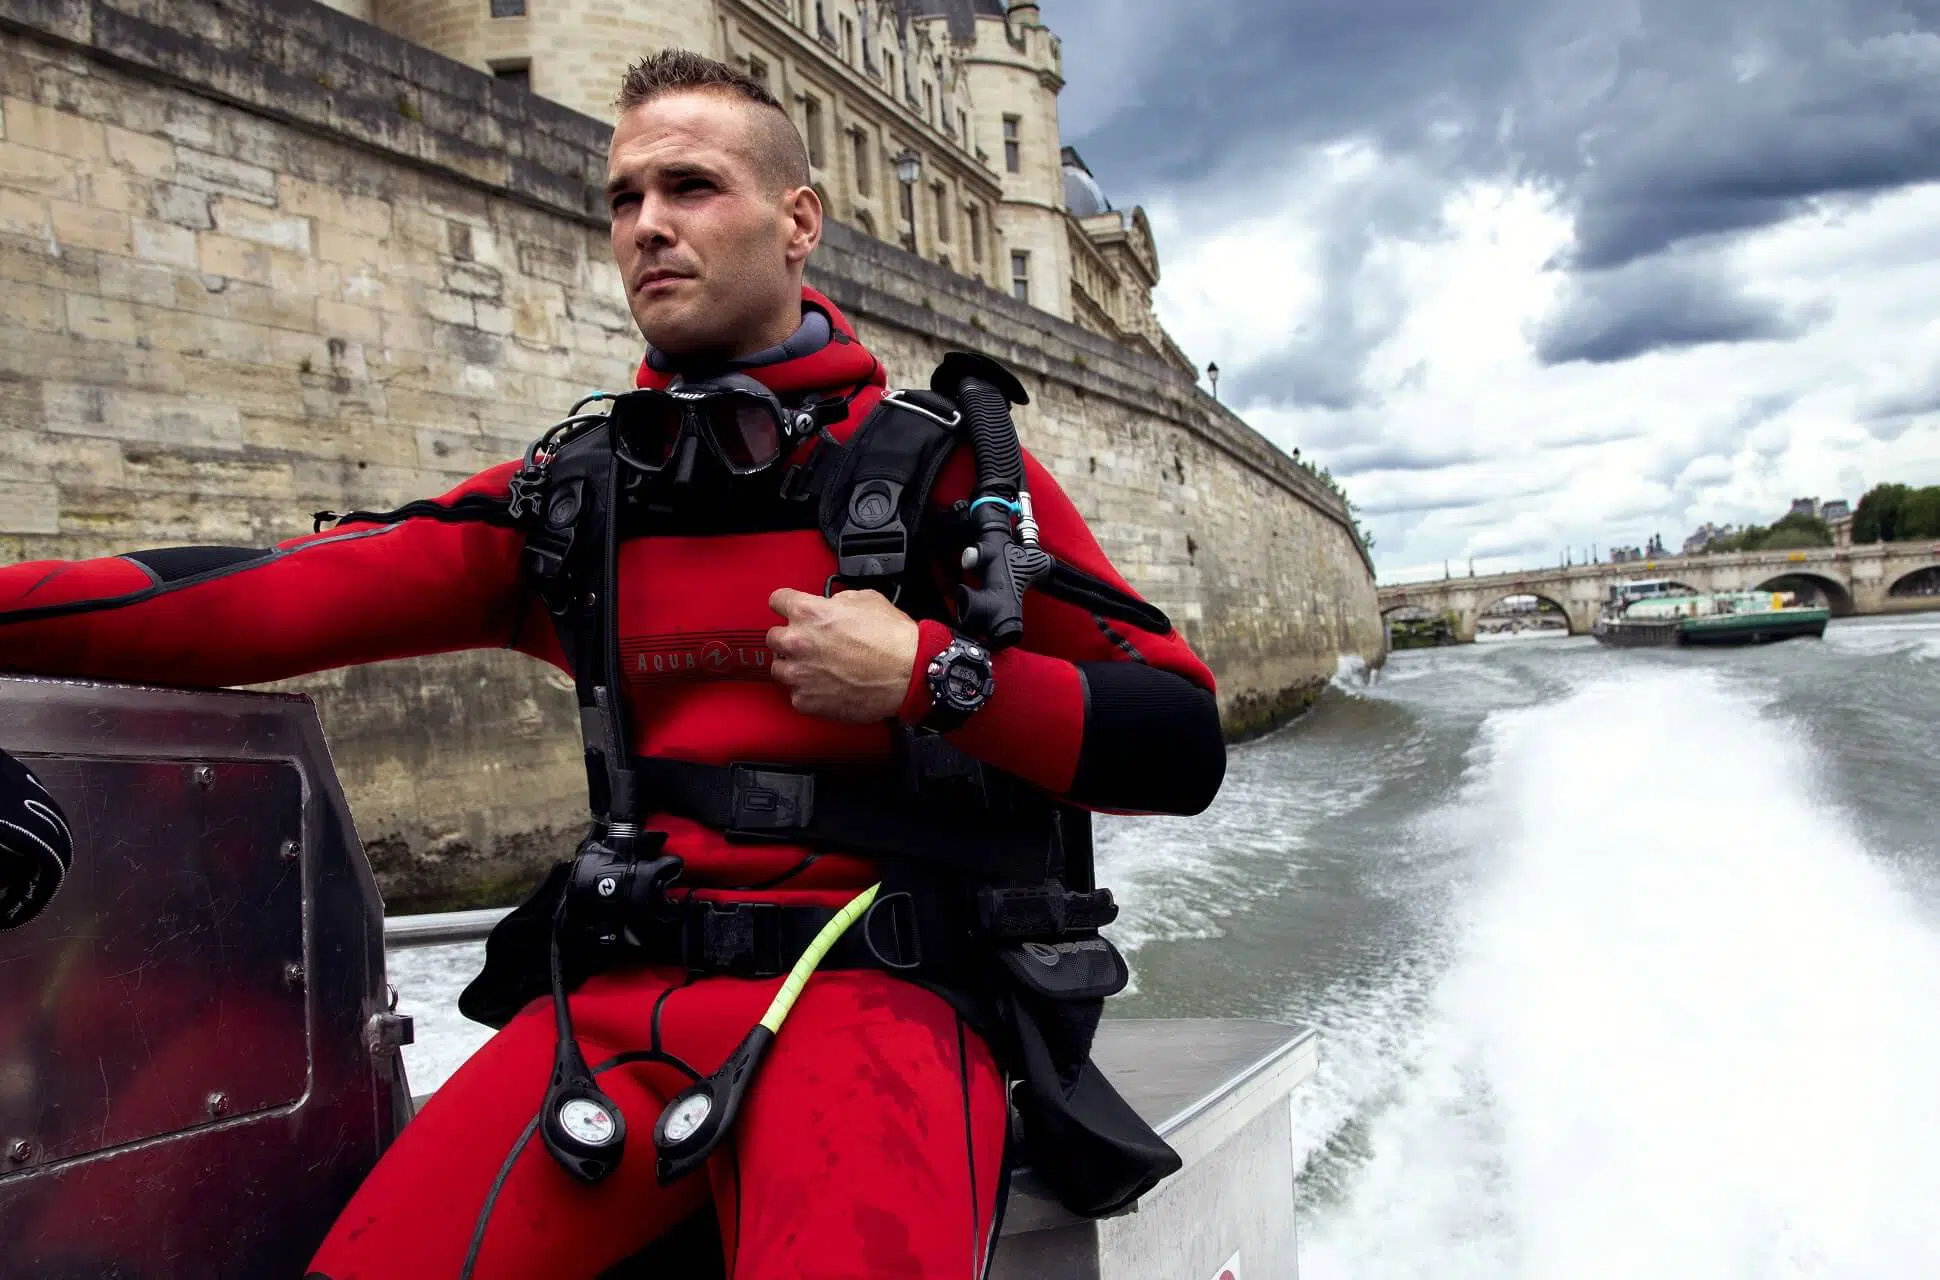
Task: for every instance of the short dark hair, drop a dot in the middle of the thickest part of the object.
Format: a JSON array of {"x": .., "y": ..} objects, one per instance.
[{"x": 779, "y": 152}]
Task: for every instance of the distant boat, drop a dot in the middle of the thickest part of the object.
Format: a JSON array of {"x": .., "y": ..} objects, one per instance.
[{"x": 1662, "y": 612}]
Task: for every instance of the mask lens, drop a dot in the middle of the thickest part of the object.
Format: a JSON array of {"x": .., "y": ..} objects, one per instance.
[
  {"x": 649, "y": 431},
  {"x": 745, "y": 430}
]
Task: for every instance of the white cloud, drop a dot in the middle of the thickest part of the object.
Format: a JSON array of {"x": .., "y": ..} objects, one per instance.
[{"x": 1466, "y": 445}]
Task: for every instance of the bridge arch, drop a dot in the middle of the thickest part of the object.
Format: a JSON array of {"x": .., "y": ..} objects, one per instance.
[
  {"x": 1838, "y": 599},
  {"x": 1920, "y": 582},
  {"x": 1560, "y": 606}
]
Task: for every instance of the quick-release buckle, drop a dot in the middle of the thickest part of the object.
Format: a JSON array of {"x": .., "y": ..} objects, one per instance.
[
  {"x": 873, "y": 544},
  {"x": 768, "y": 803},
  {"x": 742, "y": 939}
]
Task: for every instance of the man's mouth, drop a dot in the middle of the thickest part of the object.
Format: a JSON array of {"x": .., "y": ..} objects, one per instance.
[{"x": 654, "y": 281}]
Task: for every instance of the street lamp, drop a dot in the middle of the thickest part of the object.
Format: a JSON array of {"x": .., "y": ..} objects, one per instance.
[
  {"x": 1212, "y": 375},
  {"x": 909, "y": 167}
]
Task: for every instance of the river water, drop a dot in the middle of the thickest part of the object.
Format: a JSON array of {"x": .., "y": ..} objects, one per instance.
[{"x": 1626, "y": 962}]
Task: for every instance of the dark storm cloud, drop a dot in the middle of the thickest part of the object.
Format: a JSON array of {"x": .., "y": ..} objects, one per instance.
[
  {"x": 1657, "y": 305},
  {"x": 1657, "y": 122},
  {"x": 1813, "y": 109}
]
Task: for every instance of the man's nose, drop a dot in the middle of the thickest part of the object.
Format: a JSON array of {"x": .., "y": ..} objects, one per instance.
[{"x": 654, "y": 227}]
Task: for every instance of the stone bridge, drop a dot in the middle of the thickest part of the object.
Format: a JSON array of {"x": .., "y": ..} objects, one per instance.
[{"x": 1874, "y": 578}]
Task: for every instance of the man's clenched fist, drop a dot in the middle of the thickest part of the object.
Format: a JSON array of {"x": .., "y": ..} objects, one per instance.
[{"x": 36, "y": 846}]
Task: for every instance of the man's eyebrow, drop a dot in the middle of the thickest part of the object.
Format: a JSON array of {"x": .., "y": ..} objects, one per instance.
[{"x": 666, "y": 173}]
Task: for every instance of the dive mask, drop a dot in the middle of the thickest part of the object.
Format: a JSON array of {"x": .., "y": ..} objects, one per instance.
[{"x": 743, "y": 423}]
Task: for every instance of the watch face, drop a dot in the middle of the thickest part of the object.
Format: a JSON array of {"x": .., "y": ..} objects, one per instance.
[{"x": 963, "y": 683}]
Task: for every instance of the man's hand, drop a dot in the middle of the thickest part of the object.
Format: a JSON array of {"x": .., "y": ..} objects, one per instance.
[
  {"x": 844, "y": 657},
  {"x": 36, "y": 847}
]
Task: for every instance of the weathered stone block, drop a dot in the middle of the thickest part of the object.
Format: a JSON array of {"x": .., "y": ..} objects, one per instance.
[
  {"x": 557, "y": 263},
  {"x": 37, "y": 307},
  {"x": 182, "y": 206},
  {"x": 162, "y": 242},
  {"x": 120, "y": 414},
  {"x": 142, "y": 154},
  {"x": 78, "y": 225},
  {"x": 493, "y": 318},
  {"x": 63, "y": 133},
  {"x": 221, "y": 176},
  {"x": 221, "y": 255},
  {"x": 29, "y": 507},
  {"x": 331, "y": 207},
  {"x": 474, "y": 280},
  {"x": 249, "y": 221},
  {"x": 136, "y": 281},
  {"x": 350, "y": 321},
  {"x": 351, "y": 247},
  {"x": 41, "y": 172}
]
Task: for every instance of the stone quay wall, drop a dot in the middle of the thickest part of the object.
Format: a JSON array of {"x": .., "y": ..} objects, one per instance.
[{"x": 261, "y": 259}]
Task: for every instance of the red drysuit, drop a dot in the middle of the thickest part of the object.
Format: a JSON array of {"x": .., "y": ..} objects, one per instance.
[{"x": 873, "y": 1142}]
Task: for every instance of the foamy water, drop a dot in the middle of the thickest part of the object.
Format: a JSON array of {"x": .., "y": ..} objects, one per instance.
[{"x": 1687, "y": 1023}]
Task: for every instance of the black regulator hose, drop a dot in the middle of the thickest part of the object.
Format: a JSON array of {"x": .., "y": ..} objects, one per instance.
[
  {"x": 1003, "y": 558},
  {"x": 993, "y": 438}
]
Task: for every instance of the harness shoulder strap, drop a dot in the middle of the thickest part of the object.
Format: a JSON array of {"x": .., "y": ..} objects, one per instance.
[
  {"x": 873, "y": 504},
  {"x": 564, "y": 561}
]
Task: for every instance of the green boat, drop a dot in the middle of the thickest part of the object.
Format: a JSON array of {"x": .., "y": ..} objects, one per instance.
[{"x": 1662, "y": 612}]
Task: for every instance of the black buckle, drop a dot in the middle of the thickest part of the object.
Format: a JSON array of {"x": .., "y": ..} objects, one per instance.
[
  {"x": 742, "y": 939},
  {"x": 527, "y": 491},
  {"x": 794, "y": 485},
  {"x": 768, "y": 803}
]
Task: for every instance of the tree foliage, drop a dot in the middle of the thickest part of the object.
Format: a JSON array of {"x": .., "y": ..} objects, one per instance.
[
  {"x": 1792, "y": 533},
  {"x": 1897, "y": 512}
]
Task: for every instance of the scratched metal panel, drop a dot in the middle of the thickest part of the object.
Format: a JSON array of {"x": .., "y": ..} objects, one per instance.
[
  {"x": 183, "y": 923},
  {"x": 161, "y": 975}
]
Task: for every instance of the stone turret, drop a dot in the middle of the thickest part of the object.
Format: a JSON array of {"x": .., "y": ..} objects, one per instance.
[{"x": 1015, "y": 71}]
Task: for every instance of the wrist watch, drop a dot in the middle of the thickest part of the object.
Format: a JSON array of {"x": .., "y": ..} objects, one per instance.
[{"x": 960, "y": 681}]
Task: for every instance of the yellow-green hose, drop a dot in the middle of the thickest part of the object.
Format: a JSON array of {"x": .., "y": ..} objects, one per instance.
[{"x": 798, "y": 976}]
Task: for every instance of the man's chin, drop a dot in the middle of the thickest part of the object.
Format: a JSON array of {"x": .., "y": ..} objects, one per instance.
[{"x": 676, "y": 331}]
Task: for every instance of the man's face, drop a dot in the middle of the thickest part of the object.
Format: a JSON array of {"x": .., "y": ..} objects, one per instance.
[{"x": 710, "y": 251}]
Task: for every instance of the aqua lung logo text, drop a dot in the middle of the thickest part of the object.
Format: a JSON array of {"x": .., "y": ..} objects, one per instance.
[
  {"x": 716, "y": 656},
  {"x": 1049, "y": 955}
]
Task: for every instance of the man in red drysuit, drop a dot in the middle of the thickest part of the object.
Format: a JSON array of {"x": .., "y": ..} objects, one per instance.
[{"x": 874, "y": 1142}]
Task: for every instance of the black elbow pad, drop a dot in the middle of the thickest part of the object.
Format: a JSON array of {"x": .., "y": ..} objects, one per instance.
[{"x": 1151, "y": 743}]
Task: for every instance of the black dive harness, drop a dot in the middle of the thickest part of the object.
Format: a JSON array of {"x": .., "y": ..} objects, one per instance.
[{"x": 987, "y": 891}]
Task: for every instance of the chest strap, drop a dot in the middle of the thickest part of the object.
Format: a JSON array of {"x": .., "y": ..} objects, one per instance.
[{"x": 867, "y": 812}]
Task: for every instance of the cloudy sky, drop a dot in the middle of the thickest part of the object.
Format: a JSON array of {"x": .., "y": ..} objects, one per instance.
[{"x": 1537, "y": 274}]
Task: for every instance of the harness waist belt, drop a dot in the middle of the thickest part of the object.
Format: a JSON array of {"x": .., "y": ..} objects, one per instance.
[
  {"x": 862, "y": 812},
  {"x": 764, "y": 940}
]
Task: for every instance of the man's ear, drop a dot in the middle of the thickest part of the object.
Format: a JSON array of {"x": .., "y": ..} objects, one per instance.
[{"x": 804, "y": 210}]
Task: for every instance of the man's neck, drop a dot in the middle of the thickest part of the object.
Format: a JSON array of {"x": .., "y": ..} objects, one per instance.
[{"x": 809, "y": 332}]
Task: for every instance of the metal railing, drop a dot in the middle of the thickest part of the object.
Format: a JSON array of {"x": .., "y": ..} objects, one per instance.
[{"x": 441, "y": 928}]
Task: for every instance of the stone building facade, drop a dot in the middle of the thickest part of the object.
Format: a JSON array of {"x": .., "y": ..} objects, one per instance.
[
  {"x": 261, "y": 260},
  {"x": 959, "y": 96}
]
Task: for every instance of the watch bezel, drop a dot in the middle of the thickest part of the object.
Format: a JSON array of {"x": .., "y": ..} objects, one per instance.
[{"x": 964, "y": 653}]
